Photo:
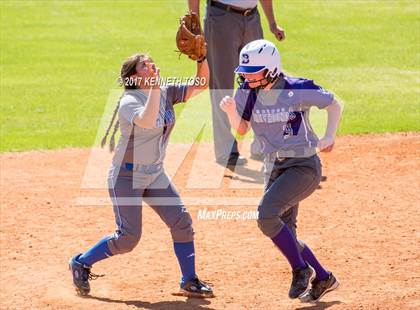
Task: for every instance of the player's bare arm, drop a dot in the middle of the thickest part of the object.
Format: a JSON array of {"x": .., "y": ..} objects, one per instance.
[
  {"x": 147, "y": 119},
  {"x": 194, "y": 6},
  {"x": 278, "y": 31},
  {"x": 228, "y": 105},
  {"x": 203, "y": 74},
  {"x": 326, "y": 143}
]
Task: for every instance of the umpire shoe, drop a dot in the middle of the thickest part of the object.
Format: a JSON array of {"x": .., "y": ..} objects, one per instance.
[
  {"x": 302, "y": 278},
  {"x": 234, "y": 159},
  {"x": 257, "y": 156},
  {"x": 196, "y": 288},
  {"x": 320, "y": 288},
  {"x": 81, "y": 275}
]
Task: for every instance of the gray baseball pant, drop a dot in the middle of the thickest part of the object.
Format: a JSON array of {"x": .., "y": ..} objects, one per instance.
[
  {"x": 287, "y": 183},
  {"x": 226, "y": 33},
  {"x": 127, "y": 190}
]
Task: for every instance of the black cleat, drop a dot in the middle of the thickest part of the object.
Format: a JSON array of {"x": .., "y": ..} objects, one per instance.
[
  {"x": 302, "y": 278},
  {"x": 196, "y": 288},
  {"x": 233, "y": 160},
  {"x": 81, "y": 276},
  {"x": 320, "y": 288}
]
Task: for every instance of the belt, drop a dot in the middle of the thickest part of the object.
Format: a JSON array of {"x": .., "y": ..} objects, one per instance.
[
  {"x": 147, "y": 169},
  {"x": 272, "y": 157},
  {"x": 229, "y": 8}
]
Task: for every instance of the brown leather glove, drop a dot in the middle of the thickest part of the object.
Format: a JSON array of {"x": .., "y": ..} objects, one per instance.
[{"x": 189, "y": 38}]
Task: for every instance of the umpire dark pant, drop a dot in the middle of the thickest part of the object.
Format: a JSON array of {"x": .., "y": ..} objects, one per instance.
[
  {"x": 287, "y": 182},
  {"x": 226, "y": 33}
]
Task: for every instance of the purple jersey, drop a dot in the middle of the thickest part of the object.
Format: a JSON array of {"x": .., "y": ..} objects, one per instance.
[{"x": 280, "y": 116}]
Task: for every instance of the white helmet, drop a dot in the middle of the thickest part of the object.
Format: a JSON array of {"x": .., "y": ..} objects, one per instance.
[{"x": 259, "y": 55}]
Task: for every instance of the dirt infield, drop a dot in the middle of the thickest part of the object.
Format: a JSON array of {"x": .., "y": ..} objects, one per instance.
[{"x": 363, "y": 224}]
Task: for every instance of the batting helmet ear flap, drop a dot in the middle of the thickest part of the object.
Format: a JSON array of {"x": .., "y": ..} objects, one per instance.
[
  {"x": 240, "y": 80},
  {"x": 271, "y": 76},
  {"x": 274, "y": 73}
]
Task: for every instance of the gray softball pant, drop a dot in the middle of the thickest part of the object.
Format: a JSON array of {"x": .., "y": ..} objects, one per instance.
[
  {"x": 287, "y": 182},
  {"x": 127, "y": 190}
]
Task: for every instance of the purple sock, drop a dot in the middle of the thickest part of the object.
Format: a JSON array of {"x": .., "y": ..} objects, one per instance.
[
  {"x": 309, "y": 257},
  {"x": 286, "y": 242}
]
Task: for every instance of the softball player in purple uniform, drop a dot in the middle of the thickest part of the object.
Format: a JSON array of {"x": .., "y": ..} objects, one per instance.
[
  {"x": 146, "y": 118},
  {"x": 277, "y": 107}
]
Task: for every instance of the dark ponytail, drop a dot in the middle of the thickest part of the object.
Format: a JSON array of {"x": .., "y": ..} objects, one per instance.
[{"x": 117, "y": 124}]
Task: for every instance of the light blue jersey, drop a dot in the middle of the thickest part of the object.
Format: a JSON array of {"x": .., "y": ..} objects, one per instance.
[{"x": 146, "y": 146}]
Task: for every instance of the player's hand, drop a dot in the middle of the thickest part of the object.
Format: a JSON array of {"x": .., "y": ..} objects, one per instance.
[
  {"x": 326, "y": 144},
  {"x": 153, "y": 73},
  {"x": 277, "y": 31},
  {"x": 228, "y": 105}
]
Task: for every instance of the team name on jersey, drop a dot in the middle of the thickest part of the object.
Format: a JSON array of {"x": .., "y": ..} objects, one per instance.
[{"x": 272, "y": 115}]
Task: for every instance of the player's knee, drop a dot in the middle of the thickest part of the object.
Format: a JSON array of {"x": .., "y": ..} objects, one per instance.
[
  {"x": 127, "y": 243},
  {"x": 270, "y": 226},
  {"x": 181, "y": 229},
  {"x": 124, "y": 242}
]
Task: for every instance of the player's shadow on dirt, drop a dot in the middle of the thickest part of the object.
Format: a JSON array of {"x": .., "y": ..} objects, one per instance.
[
  {"x": 320, "y": 305},
  {"x": 189, "y": 303},
  {"x": 251, "y": 175}
]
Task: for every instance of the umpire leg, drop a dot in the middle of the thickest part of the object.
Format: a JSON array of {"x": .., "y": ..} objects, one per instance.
[
  {"x": 223, "y": 32},
  {"x": 253, "y": 31}
]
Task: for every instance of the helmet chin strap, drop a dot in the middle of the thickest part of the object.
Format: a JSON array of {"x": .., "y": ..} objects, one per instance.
[
  {"x": 263, "y": 82},
  {"x": 266, "y": 80}
]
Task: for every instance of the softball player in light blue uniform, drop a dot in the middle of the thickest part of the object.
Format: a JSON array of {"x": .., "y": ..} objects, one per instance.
[
  {"x": 146, "y": 118},
  {"x": 277, "y": 108}
]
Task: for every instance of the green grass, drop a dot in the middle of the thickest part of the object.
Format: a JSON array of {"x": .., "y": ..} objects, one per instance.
[{"x": 60, "y": 61}]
